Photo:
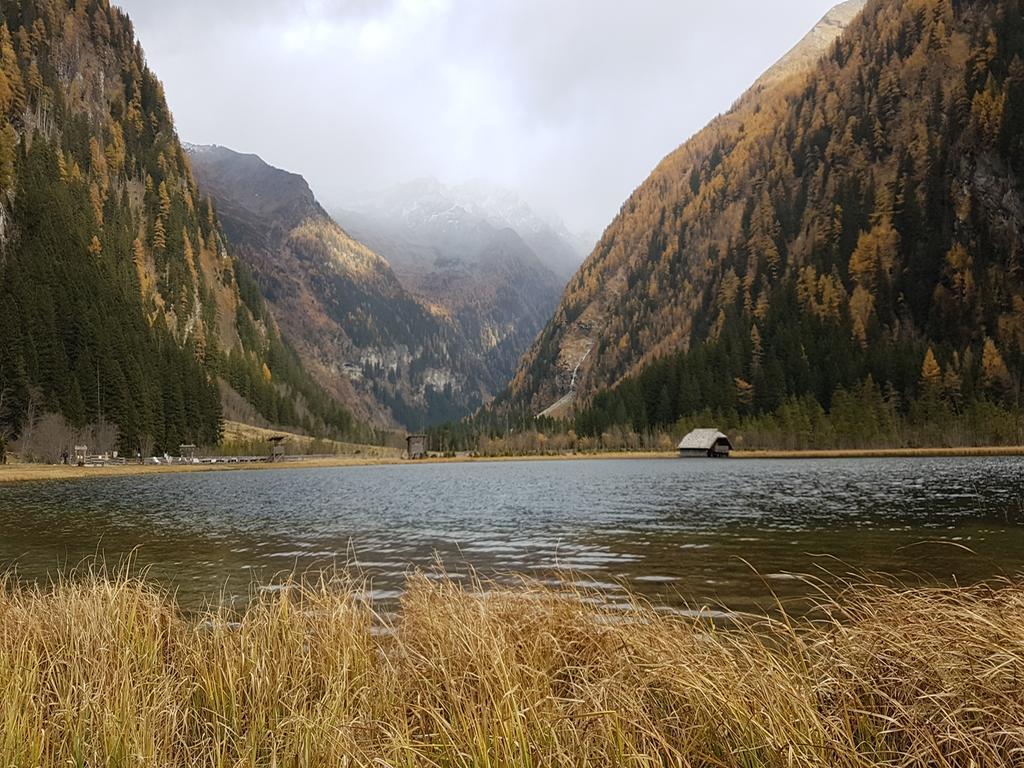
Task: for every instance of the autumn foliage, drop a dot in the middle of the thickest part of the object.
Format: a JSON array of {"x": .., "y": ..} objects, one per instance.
[
  {"x": 859, "y": 221},
  {"x": 119, "y": 302}
]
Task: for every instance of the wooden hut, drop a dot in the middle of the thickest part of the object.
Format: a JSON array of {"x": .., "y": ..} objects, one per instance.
[
  {"x": 416, "y": 446},
  {"x": 705, "y": 443}
]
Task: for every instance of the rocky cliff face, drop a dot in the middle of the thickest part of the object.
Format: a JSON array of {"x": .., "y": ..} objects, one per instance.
[{"x": 358, "y": 330}]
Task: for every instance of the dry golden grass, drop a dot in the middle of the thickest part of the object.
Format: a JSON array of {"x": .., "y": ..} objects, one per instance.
[
  {"x": 105, "y": 670},
  {"x": 17, "y": 473},
  {"x": 236, "y": 432}
]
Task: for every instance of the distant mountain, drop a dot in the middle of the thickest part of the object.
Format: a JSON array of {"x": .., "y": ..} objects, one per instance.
[
  {"x": 853, "y": 228},
  {"x": 359, "y": 331},
  {"x": 556, "y": 247},
  {"x": 476, "y": 253},
  {"x": 437, "y": 212}
]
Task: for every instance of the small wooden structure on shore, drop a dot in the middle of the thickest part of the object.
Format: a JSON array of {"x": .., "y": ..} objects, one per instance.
[
  {"x": 276, "y": 448},
  {"x": 705, "y": 443},
  {"x": 416, "y": 446}
]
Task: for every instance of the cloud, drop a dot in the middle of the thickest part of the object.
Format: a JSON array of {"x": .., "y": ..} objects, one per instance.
[{"x": 573, "y": 102}]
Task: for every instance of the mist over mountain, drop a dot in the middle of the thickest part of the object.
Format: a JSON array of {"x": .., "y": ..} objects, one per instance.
[
  {"x": 475, "y": 252},
  {"x": 428, "y": 211}
]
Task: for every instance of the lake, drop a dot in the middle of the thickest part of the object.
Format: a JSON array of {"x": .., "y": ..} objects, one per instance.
[{"x": 683, "y": 533}]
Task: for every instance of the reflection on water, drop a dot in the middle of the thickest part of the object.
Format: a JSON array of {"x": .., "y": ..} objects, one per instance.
[{"x": 698, "y": 532}]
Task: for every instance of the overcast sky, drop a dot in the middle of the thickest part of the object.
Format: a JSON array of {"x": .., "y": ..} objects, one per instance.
[{"x": 570, "y": 102}]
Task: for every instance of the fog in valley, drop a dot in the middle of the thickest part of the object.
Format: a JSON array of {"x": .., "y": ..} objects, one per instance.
[{"x": 570, "y": 103}]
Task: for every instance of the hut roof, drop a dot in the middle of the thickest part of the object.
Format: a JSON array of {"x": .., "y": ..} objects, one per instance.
[{"x": 702, "y": 440}]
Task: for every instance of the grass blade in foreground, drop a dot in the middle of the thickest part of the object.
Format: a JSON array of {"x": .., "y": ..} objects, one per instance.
[{"x": 107, "y": 671}]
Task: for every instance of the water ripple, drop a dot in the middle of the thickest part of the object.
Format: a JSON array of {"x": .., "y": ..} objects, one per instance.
[{"x": 700, "y": 529}]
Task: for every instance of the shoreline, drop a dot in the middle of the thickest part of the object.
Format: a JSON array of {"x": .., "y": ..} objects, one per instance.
[
  {"x": 17, "y": 473},
  {"x": 885, "y": 453}
]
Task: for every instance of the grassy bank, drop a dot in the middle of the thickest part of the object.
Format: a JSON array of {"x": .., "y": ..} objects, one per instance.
[
  {"x": 109, "y": 672},
  {"x": 239, "y": 439},
  {"x": 16, "y": 472}
]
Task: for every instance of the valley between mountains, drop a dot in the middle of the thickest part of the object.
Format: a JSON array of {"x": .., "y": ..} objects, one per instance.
[{"x": 836, "y": 260}]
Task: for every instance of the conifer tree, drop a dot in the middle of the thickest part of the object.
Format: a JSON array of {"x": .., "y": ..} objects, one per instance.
[
  {"x": 931, "y": 375},
  {"x": 995, "y": 376},
  {"x": 165, "y": 201},
  {"x": 8, "y": 154},
  {"x": 159, "y": 235},
  {"x": 16, "y": 101}
]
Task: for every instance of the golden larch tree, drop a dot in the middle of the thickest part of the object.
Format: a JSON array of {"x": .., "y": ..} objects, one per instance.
[
  {"x": 931, "y": 375},
  {"x": 995, "y": 376}
]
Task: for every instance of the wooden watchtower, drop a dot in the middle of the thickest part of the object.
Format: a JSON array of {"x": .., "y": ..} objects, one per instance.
[
  {"x": 416, "y": 446},
  {"x": 277, "y": 452}
]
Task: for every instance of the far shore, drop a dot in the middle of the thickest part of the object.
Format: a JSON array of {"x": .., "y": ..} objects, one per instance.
[
  {"x": 884, "y": 453},
  {"x": 12, "y": 473},
  {"x": 16, "y": 472}
]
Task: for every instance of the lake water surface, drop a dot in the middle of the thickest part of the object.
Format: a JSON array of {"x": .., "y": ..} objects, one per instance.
[{"x": 723, "y": 533}]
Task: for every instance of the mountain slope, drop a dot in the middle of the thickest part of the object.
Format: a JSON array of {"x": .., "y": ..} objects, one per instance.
[
  {"x": 119, "y": 303},
  {"x": 461, "y": 251},
  {"x": 363, "y": 336},
  {"x": 858, "y": 225}
]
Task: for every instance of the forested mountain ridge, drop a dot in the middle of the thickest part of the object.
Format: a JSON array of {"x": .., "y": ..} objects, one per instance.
[
  {"x": 119, "y": 303},
  {"x": 476, "y": 252},
  {"x": 854, "y": 228},
  {"x": 356, "y": 328}
]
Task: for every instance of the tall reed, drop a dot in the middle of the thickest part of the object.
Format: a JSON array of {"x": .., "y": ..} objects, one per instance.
[{"x": 106, "y": 670}]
